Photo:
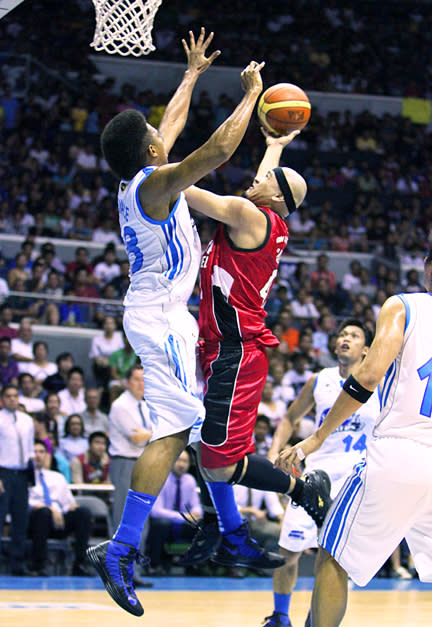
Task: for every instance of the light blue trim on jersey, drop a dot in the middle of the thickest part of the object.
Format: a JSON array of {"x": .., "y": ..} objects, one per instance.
[
  {"x": 315, "y": 384},
  {"x": 145, "y": 216},
  {"x": 388, "y": 381},
  {"x": 336, "y": 523},
  {"x": 173, "y": 353},
  {"x": 180, "y": 257},
  {"x": 174, "y": 254},
  {"x": 379, "y": 392},
  {"x": 407, "y": 310}
]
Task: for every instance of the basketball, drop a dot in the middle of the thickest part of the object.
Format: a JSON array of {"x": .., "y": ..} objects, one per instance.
[{"x": 284, "y": 108}]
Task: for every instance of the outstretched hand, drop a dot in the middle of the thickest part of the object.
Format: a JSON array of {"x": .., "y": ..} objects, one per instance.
[
  {"x": 195, "y": 52},
  {"x": 292, "y": 456},
  {"x": 283, "y": 141},
  {"x": 251, "y": 78}
]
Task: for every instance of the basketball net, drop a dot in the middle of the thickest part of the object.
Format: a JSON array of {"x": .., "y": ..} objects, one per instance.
[{"x": 124, "y": 26}]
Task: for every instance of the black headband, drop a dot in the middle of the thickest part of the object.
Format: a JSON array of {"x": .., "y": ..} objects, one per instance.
[{"x": 285, "y": 189}]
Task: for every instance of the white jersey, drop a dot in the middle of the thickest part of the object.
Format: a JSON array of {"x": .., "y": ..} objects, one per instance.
[
  {"x": 164, "y": 256},
  {"x": 406, "y": 406},
  {"x": 346, "y": 446}
]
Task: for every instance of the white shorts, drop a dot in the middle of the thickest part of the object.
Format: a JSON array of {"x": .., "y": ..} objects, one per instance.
[
  {"x": 165, "y": 340},
  {"x": 299, "y": 532},
  {"x": 387, "y": 498}
]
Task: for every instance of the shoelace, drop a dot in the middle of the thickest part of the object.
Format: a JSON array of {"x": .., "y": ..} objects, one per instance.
[
  {"x": 141, "y": 560},
  {"x": 192, "y": 523}
]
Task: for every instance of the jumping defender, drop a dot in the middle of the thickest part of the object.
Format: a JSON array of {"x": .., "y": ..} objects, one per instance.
[{"x": 164, "y": 251}]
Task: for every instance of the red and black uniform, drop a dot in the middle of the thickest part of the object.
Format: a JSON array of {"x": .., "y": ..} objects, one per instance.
[{"x": 235, "y": 284}]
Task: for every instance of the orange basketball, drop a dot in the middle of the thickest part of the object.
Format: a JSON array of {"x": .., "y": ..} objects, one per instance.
[{"x": 284, "y": 108}]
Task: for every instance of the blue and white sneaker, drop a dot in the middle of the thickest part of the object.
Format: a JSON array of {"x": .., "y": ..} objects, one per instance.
[
  {"x": 114, "y": 562},
  {"x": 277, "y": 619},
  {"x": 239, "y": 549}
]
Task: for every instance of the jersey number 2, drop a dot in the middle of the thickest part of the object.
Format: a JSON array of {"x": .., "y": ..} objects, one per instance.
[
  {"x": 425, "y": 372},
  {"x": 131, "y": 243}
]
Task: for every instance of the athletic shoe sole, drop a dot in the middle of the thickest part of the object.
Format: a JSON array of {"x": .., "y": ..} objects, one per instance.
[{"x": 111, "y": 587}]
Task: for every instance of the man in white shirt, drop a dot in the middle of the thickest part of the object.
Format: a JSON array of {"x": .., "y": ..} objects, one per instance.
[
  {"x": 72, "y": 397},
  {"x": 54, "y": 512},
  {"x": 108, "y": 269},
  {"x": 352, "y": 277},
  {"x": 102, "y": 347},
  {"x": 22, "y": 346},
  {"x": 93, "y": 418},
  {"x": 16, "y": 450},
  {"x": 129, "y": 432},
  {"x": 27, "y": 397}
]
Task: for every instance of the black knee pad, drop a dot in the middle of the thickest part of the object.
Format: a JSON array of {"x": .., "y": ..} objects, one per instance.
[{"x": 236, "y": 476}]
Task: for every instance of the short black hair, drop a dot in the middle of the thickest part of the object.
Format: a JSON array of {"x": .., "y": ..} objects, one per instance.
[
  {"x": 355, "y": 322},
  {"x": 7, "y": 387},
  {"x": 40, "y": 343},
  {"x": 75, "y": 370},
  {"x": 263, "y": 418},
  {"x": 428, "y": 259},
  {"x": 98, "y": 434},
  {"x": 124, "y": 142},
  {"x": 132, "y": 370},
  {"x": 42, "y": 443},
  {"x": 23, "y": 375},
  {"x": 61, "y": 356}
]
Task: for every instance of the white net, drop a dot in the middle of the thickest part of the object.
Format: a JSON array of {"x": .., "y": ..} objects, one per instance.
[{"x": 124, "y": 26}]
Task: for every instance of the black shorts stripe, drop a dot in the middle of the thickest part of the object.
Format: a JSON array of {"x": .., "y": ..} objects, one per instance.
[{"x": 220, "y": 393}]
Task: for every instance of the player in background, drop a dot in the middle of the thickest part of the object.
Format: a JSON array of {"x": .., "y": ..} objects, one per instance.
[
  {"x": 343, "y": 449},
  {"x": 164, "y": 251},
  {"x": 237, "y": 272},
  {"x": 389, "y": 495}
]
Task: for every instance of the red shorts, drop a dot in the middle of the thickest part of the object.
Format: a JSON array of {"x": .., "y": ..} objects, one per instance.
[{"x": 234, "y": 375}]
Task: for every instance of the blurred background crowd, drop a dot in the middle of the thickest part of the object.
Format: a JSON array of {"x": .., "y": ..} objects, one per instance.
[{"x": 369, "y": 191}]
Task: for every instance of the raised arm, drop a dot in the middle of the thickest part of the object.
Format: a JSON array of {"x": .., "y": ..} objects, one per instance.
[
  {"x": 177, "y": 110},
  {"x": 162, "y": 186},
  {"x": 272, "y": 155},
  {"x": 384, "y": 350}
]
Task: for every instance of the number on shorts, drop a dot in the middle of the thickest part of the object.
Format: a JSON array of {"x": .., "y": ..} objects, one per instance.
[
  {"x": 359, "y": 445},
  {"x": 131, "y": 243},
  {"x": 425, "y": 372}
]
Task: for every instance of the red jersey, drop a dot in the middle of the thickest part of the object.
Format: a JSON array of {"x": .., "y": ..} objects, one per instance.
[{"x": 235, "y": 284}]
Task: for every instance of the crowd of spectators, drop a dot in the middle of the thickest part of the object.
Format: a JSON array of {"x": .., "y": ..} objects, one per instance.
[{"x": 369, "y": 182}]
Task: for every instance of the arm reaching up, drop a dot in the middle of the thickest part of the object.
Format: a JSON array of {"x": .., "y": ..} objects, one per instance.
[
  {"x": 168, "y": 180},
  {"x": 275, "y": 146},
  {"x": 177, "y": 110}
]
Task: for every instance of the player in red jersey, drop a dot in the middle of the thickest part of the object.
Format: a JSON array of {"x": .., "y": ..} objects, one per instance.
[{"x": 237, "y": 272}]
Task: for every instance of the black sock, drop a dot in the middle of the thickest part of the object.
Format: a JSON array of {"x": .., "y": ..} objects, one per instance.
[{"x": 262, "y": 475}]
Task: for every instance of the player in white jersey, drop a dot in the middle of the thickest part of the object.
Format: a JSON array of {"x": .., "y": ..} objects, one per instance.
[
  {"x": 389, "y": 495},
  {"x": 164, "y": 253},
  {"x": 339, "y": 454}
]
